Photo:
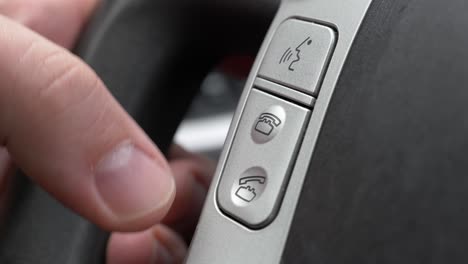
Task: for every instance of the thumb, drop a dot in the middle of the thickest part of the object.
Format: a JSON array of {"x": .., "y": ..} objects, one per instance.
[
  {"x": 58, "y": 20},
  {"x": 65, "y": 130}
]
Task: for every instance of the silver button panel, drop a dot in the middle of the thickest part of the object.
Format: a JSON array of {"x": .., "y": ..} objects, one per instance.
[
  {"x": 298, "y": 55},
  {"x": 220, "y": 239},
  {"x": 261, "y": 158}
]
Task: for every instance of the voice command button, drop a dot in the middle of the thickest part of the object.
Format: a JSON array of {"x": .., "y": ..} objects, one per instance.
[{"x": 298, "y": 55}]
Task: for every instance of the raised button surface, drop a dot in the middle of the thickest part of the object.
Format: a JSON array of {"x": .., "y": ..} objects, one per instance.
[
  {"x": 298, "y": 55},
  {"x": 262, "y": 155},
  {"x": 268, "y": 124}
]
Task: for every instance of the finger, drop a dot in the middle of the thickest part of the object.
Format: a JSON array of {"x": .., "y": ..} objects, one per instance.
[
  {"x": 192, "y": 174},
  {"x": 189, "y": 200},
  {"x": 205, "y": 167},
  {"x": 159, "y": 245},
  {"x": 66, "y": 131},
  {"x": 60, "y": 21}
]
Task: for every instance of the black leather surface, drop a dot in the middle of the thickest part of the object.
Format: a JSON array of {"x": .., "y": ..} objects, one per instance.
[{"x": 388, "y": 182}]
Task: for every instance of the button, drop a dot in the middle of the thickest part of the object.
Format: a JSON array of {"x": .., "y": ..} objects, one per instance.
[
  {"x": 298, "y": 55},
  {"x": 261, "y": 158},
  {"x": 268, "y": 124},
  {"x": 249, "y": 187}
]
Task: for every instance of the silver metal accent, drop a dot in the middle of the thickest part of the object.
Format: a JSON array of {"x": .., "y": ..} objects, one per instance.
[
  {"x": 261, "y": 158},
  {"x": 205, "y": 134},
  {"x": 298, "y": 55},
  {"x": 285, "y": 92},
  {"x": 220, "y": 239}
]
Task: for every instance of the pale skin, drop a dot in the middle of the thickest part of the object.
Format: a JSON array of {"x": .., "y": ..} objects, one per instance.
[{"x": 60, "y": 125}]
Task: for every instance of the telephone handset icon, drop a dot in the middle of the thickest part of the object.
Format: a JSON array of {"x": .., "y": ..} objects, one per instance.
[
  {"x": 245, "y": 180},
  {"x": 266, "y": 123},
  {"x": 246, "y": 192}
]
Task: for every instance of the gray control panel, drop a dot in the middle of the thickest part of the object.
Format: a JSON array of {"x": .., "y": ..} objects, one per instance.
[
  {"x": 260, "y": 161},
  {"x": 253, "y": 198},
  {"x": 298, "y": 55},
  {"x": 270, "y": 130}
]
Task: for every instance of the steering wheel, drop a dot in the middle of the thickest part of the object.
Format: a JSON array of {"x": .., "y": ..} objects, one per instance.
[{"x": 153, "y": 56}]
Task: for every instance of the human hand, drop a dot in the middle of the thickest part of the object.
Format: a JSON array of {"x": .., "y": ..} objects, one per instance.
[{"x": 61, "y": 126}]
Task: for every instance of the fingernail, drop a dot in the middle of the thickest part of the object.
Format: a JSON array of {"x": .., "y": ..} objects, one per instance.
[
  {"x": 161, "y": 254},
  {"x": 132, "y": 184}
]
